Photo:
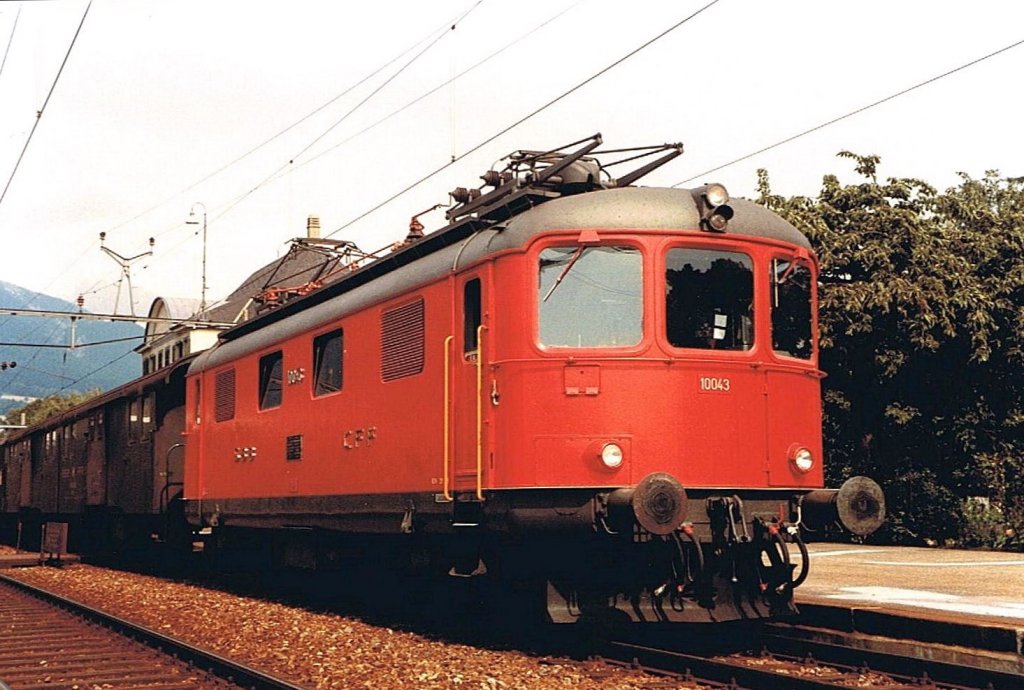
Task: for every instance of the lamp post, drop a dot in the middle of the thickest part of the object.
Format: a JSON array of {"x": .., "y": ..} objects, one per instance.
[{"x": 193, "y": 221}]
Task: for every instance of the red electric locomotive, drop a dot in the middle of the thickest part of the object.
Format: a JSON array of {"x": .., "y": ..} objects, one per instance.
[{"x": 606, "y": 389}]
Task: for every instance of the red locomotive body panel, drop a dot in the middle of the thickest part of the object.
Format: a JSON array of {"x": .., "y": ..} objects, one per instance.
[{"x": 712, "y": 418}]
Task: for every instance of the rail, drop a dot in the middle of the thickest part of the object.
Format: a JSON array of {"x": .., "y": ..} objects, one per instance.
[
  {"x": 782, "y": 656},
  {"x": 215, "y": 664}
]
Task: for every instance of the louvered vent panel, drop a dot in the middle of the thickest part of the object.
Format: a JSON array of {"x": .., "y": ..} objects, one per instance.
[
  {"x": 401, "y": 341},
  {"x": 224, "y": 396}
]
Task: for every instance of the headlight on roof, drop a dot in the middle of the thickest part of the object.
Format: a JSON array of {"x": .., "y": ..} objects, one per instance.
[{"x": 716, "y": 194}]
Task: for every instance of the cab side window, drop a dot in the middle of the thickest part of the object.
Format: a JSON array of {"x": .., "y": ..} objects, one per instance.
[
  {"x": 327, "y": 362},
  {"x": 271, "y": 367}
]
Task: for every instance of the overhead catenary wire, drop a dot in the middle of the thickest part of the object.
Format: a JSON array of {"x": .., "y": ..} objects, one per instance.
[
  {"x": 10, "y": 41},
  {"x": 443, "y": 28},
  {"x": 287, "y": 170},
  {"x": 65, "y": 346},
  {"x": 811, "y": 130},
  {"x": 289, "y": 166},
  {"x": 440, "y": 31},
  {"x": 39, "y": 113},
  {"x": 852, "y": 113},
  {"x": 432, "y": 91},
  {"x": 527, "y": 117},
  {"x": 95, "y": 371},
  {"x": 348, "y": 114}
]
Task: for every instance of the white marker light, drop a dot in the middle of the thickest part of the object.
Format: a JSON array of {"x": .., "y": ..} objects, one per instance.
[
  {"x": 803, "y": 459},
  {"x": 611, "y": 455}
]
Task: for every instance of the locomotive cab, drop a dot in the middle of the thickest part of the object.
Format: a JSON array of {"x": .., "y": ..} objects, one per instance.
[{"x": 669, "y": 373}]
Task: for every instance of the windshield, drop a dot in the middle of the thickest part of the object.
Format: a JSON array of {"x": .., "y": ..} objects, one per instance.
[
  {"x": 590, "y": 296},
  {"x": 791, "y": 308},
  {"x": 709, "y": 296}
]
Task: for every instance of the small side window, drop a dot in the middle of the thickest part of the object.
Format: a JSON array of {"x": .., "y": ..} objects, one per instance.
[
  {"x": 471, "y": 315},
  {"x": 134, "y": 419},
  {"x": 791, "y": 308},
  {"x": 327, "y": 361},
  {"x": 197, "y": 402},
  {"x": 270, "y": 380}
]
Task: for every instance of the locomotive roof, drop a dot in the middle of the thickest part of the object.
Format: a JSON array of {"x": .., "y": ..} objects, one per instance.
[
  {"x": 461, "y": 244},
  {"x": 645, "y": 208}
]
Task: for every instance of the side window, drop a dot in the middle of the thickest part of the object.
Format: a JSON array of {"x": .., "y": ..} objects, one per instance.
[
  {"x": 134, "y": 419},
  {"x": 197, "y": 402},
  {"x": 472, "y": 315},
  {"x": 148, "y": 419},
  {"x": 270, "y": 380},
  {"x": 791, "y": 308},
  {"x": 709, "y": 299},
  {"x": 327, "y": 361}
]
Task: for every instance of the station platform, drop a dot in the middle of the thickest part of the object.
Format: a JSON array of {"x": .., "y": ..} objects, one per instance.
[
  {"x": 9, "y": 558},
  {"x": 968, "y": 598}
]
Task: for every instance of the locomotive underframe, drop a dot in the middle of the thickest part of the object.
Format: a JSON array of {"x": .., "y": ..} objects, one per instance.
[{"x": 557, "y": 538}]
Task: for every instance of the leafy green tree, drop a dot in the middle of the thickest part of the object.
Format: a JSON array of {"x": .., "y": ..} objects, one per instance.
[
  {"x": 922, "y": 337},
  {"x": 44, "y": 408}
]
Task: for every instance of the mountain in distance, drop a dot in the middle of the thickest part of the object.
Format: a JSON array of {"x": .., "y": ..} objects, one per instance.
[{"x": 44, "y": 371}]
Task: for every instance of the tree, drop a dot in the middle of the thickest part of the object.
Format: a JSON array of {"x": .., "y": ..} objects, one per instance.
[
  {"x": 43, "y": 408},
  {"x": 922, "y": 337}
]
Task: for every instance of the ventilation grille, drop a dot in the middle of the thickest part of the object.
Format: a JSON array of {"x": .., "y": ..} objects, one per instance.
[
  {"x": 224, "y": 396},
  {"x": 293, "y": 448},
  {"x": 401, "y": 341}
]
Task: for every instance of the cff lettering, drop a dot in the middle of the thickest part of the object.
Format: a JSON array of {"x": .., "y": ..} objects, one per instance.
[{"x": 359, "y": 438}]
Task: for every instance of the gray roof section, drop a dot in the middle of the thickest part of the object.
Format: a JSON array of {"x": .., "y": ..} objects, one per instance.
[
  {"x": 630, "y": 208},
  {"x": 644, "y": 208}
]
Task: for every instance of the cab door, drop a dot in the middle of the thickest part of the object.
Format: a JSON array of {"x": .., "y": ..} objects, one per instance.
[{"x": 468, "y": 399}]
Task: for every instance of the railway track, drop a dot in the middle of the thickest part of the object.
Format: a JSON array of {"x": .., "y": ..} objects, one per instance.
[
  {"x": 795, "y": 657},
  {"x": 52, "y": 642}
]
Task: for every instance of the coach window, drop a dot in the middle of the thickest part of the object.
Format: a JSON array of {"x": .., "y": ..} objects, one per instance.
[
  {"x": 590, "y": 296},
  {"x": 270, "y": 380},
  {"x": 472, "y": 315},
  {"x": 134, "y": 415},
  {"x": 327, "y": 359},
  {"x": 791, "y": 308},
  {"x": 709, "y": 299}
]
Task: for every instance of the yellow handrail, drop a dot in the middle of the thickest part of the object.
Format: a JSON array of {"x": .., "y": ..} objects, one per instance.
[
  {"x": 447, "y": 415},
  {"x": 479, "y": 413}
]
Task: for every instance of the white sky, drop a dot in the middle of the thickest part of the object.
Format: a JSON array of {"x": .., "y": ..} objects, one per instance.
[{"x": 157, "y": 95}]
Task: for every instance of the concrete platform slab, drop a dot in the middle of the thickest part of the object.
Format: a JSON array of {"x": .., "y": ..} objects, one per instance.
[{"x": 954, "y": 585}]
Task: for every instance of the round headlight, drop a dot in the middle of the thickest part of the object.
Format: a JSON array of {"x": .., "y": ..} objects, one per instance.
[
  {"x": 720, "y": 218},
  {"x": 716, "y": 194},
  {"x": 802, "y": 459},
  {"x": 611, "y": 455}
]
